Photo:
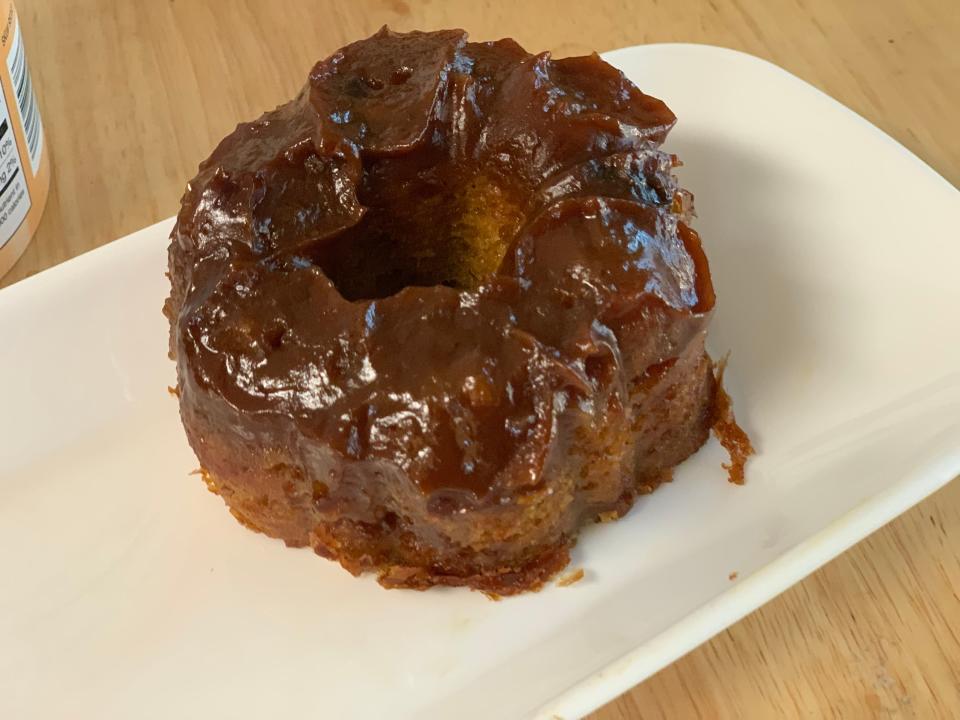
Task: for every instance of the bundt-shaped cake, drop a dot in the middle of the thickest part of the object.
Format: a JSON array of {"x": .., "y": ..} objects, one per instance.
[{"x": 442, "y": 309}]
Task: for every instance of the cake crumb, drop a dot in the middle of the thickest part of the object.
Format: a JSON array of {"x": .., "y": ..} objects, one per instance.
[
  {"x": 733, "y": 575},
  {"x": 574, "y": 576},
  {"x": 492, "y": 596},
  {"x": 608, "y": 516},
  {"x": 208, "y": 481},
  {"x": 173, "y": 390}
]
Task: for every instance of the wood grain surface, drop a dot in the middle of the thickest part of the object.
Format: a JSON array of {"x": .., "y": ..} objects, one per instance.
[{"x": 134, "y": 93}]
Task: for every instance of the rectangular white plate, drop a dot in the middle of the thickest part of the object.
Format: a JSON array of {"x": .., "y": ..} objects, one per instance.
[{"x": 127, "y": 590}]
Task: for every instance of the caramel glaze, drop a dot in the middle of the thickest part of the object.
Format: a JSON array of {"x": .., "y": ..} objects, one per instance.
[{"x": 441, "y": 309}]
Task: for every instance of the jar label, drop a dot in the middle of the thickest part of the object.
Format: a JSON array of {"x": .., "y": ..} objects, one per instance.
[
  {"x": 24, "y": 161},
  {"x": 14, "y": 194}
]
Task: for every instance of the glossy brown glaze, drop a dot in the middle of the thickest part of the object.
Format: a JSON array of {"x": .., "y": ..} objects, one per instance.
[{"x": 441, "y": 309}]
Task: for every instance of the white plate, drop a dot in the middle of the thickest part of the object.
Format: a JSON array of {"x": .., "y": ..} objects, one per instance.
[{"x": 127, "y": 590}]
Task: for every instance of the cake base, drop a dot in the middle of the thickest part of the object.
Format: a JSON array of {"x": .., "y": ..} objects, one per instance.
[{"x": 500, "y": 550}]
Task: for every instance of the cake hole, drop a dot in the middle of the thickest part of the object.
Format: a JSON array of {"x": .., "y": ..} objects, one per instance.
[
  {"x": 273, "y": 335},
  {"x": 423, "y": 231}
]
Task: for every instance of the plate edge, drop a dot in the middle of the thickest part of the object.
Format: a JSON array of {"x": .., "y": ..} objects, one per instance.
[{"x": 752, "y": 592}]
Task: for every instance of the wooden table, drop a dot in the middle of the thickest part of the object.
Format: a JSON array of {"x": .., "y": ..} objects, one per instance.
[{"x": 135, "y": 94}]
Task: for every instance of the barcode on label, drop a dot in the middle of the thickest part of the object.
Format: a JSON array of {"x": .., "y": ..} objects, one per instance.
[{"x": 26, "y": 100}]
